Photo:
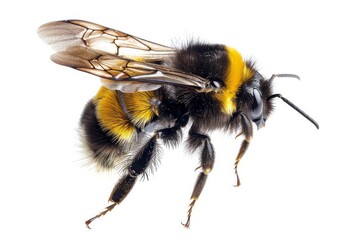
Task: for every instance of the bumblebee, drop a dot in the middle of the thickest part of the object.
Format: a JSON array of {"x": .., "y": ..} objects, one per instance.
[{"x": 150, "y": 92}]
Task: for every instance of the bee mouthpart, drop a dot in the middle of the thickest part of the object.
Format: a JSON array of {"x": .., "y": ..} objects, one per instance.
[{"x": 260, "y": 123}]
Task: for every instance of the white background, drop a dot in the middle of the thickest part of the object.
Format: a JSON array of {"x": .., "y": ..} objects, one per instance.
[{"x": 297, "y": 182}]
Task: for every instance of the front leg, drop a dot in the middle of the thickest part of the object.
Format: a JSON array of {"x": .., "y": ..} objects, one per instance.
[
  {"x": 202, "y": 142},
  {"x": 247, "y": 131}
]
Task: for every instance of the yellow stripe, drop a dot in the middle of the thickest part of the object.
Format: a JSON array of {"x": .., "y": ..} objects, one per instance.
[
  {"x": 139, "y": 107},
  {"x": 237, "y": 74},
  {"x": 111, "y": 116}
]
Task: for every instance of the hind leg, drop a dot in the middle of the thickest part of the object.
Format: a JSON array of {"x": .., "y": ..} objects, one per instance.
[{"x": 146, "y": 155}]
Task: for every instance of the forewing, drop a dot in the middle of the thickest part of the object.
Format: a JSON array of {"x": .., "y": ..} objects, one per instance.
[
  {"x": 126, "y": 75},
  {"x": 62, "y": 35}
]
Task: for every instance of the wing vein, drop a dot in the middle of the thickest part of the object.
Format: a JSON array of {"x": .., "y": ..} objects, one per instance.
[{"x": 121, "y": 60}]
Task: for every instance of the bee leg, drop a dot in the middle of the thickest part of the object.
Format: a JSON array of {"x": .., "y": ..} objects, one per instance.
[
  {"x": 247, "y": 131},
  {"x": 137, "y": 167},
  {"x": 207, "y": 158},
  {"x": 141, "y": 161},
  {"x": 171, "y": 136}
]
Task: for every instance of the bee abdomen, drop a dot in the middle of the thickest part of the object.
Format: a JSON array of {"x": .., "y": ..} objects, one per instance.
[
  {"x": 111, "y": 121},
  {"x": 106, "y": 129},
  {"x": 102, "y": 149}
]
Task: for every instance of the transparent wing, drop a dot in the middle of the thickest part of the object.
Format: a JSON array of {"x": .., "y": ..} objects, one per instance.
[
  {"x": 62, "y": 35},
  {"x": 126, "y": 75}
]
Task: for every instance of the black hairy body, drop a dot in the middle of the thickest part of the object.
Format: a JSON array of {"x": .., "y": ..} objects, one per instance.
[
  {"x": 151, "y": 92},
  {"x": 176, "y": 107}
]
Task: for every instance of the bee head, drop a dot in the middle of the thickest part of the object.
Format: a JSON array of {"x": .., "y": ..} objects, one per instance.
[
  {"x": 255, "y": 99},
  {"x": 252, "y": 99}
]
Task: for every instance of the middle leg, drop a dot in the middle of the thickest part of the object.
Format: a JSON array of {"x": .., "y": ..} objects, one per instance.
[{"x": 202, "y": 142}]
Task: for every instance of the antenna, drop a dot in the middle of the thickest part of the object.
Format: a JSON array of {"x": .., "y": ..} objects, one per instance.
[
  {"x": 295, "y": 107},
  {"x": 287, "y": 101},
  {"x": 284, "y": 75}
]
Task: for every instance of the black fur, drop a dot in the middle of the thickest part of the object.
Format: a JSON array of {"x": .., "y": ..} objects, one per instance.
[
  {"x": 266, "y": 89},
  {"x": 101, "y": 145},
  {"x": 209, "y": 61},
  {"x": 143, "y": 158},
  {"x": 178, "y": 107}
]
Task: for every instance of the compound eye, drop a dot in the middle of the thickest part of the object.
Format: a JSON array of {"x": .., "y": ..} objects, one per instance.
[{"x": 257, "y": 105}]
